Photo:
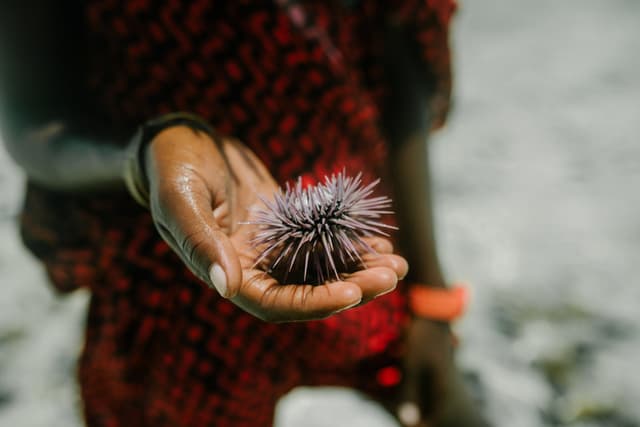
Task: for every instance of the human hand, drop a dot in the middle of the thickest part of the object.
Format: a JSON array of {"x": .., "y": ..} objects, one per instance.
[
  {"x": 201, "y": 196},
  {"x": 432, "y": 393}
]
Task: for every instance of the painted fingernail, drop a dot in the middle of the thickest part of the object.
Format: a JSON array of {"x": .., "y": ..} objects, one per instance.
[
  {"x": 409, "y": 413},
  {"x": 218, "y": 279}
]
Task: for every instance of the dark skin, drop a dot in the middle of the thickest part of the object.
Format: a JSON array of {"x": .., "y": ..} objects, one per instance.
[
  {"x": 197, "y": 206},
  {"x": 432, "y": 386}
]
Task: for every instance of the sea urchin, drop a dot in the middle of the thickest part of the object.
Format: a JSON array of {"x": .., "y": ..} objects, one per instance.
[{"x": 313, "y": 234}]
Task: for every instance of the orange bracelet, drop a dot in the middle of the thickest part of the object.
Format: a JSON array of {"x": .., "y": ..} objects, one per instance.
[{"x": 438, "y": 303}]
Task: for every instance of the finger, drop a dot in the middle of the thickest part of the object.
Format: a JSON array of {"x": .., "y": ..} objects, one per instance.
[
  {"x": 251, "y": 160},
  {"x": 250, "y": 178},
  {"x": 380, "y": 244},
  {"x": 374, "y": 282},
  {"x": 247, "y": 165},
  {"x": 395, "y": 262},
  {"x": 264, "y": 297}
]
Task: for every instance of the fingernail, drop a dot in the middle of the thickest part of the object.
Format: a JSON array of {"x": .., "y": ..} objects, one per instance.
[
  {"x": 348, "y": 307},
  {"x": 218, "y": 278},
  {"x": 388, "y": 291}
]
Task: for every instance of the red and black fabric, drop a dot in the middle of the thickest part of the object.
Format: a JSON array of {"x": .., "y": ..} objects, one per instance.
[{"x": 302, "y": 85}]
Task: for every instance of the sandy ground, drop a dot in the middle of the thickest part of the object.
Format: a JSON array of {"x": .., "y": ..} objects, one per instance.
[{"x": 538, "y": 206}]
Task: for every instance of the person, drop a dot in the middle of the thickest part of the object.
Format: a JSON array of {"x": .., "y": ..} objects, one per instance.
[{"x": 231, "y": 99}]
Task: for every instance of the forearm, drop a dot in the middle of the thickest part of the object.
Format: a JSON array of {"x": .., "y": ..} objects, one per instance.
[
  {"x": 56, "y": 158},
  {"x": 413, "y": 203},
  {"x": 407, "y": 120}
]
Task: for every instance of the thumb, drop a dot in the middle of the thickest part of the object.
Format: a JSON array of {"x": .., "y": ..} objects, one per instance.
[
  {"x": 216, "y": 255},
  {"x": 187, "y": 179},
  {"x": 224, "y": 270},
  {"x": 194, "y": 234}
]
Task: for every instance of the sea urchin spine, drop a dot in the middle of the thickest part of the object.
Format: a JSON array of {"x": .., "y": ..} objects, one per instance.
[{"x": 313, "y": 234}]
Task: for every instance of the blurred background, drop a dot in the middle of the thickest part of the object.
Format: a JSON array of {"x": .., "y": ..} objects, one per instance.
[{"x": 538, "y": 206}]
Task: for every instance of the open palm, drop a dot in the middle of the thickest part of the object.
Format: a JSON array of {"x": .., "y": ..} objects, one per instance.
[{"x": 201, "y": 195}]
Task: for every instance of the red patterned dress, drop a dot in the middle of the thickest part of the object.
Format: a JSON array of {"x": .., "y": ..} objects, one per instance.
[{"x": 301, "y": 83}]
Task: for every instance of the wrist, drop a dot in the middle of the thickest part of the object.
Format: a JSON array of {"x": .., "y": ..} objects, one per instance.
[{"x": 135, "y": 168}]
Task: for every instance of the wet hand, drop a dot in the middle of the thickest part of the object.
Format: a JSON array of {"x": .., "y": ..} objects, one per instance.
[{"x": 201, "y": 193}]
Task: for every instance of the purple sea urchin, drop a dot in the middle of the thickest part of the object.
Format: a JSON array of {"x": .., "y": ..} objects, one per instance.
[{"x": 313, "y": 234}]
